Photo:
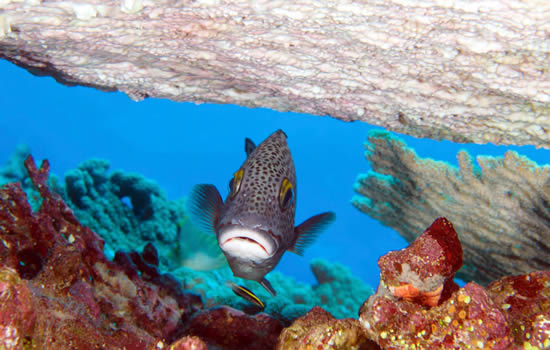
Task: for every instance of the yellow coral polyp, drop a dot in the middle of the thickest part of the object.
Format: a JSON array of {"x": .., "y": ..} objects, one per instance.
[{"x": 452, "y": 309}]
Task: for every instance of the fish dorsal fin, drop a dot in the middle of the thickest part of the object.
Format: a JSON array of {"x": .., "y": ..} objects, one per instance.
[
  {"x": 307, "y": 231},
  {"x": 265, "y": 283},
  {"x": 249, "y": 146},
  {"x": 204, "y": 207}
]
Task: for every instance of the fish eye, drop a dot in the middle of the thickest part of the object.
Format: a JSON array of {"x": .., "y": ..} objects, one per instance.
[
  {"x": 235, "y": 183},
  {"x": 286, "y": 194}
]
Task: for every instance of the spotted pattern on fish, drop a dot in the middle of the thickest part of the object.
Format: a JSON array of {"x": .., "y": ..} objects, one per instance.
[
  {"x": 255, "y": 223},
  {"x": 264, "y": 171}
]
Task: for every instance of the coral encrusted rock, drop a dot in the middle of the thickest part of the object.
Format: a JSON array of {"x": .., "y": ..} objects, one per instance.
[
  {"x": 526, "y": 301},
  {"x": 501, "y": 210},
  {"x": 227, "y": 328},
  {"x": 318, "y": 329},
  {"x": 467, "y": 71},
  {"x": 468, "y": 319},
  {"x": 423, "y": 272},
  {"x": 512, "y": 313},
  {"x": 58, "y": 290}
]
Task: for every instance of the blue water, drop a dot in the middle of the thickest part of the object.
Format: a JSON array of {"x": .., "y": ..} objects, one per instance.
[{"x": 182, "y": 144}]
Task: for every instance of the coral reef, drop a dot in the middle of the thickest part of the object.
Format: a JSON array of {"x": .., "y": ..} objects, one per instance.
[
  {"x": 511, "y": 313},
  {"x": 57, "y": 289},
  {"x": 53, "y": 268},
  {"x": 467, "y": 71},
  {"x": 337, "y": 291},
  {"x": 526, "y": 302},
  {"x": 189, "y": 343},
  {"x": 128, "y": 211},
  {"x": 501, "y": 211},
  {"x": 97, "y": 199}
]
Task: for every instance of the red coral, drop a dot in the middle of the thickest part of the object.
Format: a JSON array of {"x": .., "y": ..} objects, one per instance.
[
  {"x": 233, "y": 329},
  {"x": 526, "y": 301},
  {"x": 56, "y": 265},
  {"x": 423, "y": 272},
  {"x": 509, "y": 314},
  {"x": 468, "y": 318}
]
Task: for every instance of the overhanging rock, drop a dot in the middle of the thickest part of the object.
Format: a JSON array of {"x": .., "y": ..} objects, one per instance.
[{"x": 467, "y": 71}]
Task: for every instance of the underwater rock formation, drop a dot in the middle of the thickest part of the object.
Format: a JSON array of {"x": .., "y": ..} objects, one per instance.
[
  {"x": 474, "y": 71},
  {"x": 54, "y": 269},
  {"x": 227, "y": 328},
  {"x": 318, "y": 329},
  {"x": 511, "y": 313},
  {"x": 58, "y": 289},
  {"x": 423, "y": 272},
  {"x": 501, "y": 211}
]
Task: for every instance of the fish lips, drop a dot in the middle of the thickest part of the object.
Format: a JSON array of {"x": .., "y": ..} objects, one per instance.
[{"x": 247, "y": 243}]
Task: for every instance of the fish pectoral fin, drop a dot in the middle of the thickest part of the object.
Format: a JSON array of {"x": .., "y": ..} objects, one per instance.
[
  {"x": 307, "y": 231},
  {"x": 265, "y": 283},
  {"x": 204, "y": 206},
  {"x": 249, "y": 146}
]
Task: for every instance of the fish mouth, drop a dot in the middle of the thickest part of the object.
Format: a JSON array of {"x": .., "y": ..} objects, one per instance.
[{"x": 246, "y": 243}]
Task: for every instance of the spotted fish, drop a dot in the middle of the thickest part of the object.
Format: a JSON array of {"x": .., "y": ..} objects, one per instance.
[{"x": 255, "y": 224}]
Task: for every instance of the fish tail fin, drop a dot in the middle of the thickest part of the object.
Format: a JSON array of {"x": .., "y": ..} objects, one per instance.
[
  {"x": 307, "y": 231},
  {"x": 204, "y": 207},
  {"x": 265, "y": 283}
]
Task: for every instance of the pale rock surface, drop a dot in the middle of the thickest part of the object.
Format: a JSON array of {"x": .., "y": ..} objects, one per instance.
[{"x": 463, "y": 70}]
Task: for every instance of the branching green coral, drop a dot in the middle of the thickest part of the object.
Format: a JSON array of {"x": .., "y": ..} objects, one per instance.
[{"x": 128, "y": 211}]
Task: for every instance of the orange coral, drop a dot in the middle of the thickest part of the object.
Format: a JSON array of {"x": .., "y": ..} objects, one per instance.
[{"x": 408, "y": 292}]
